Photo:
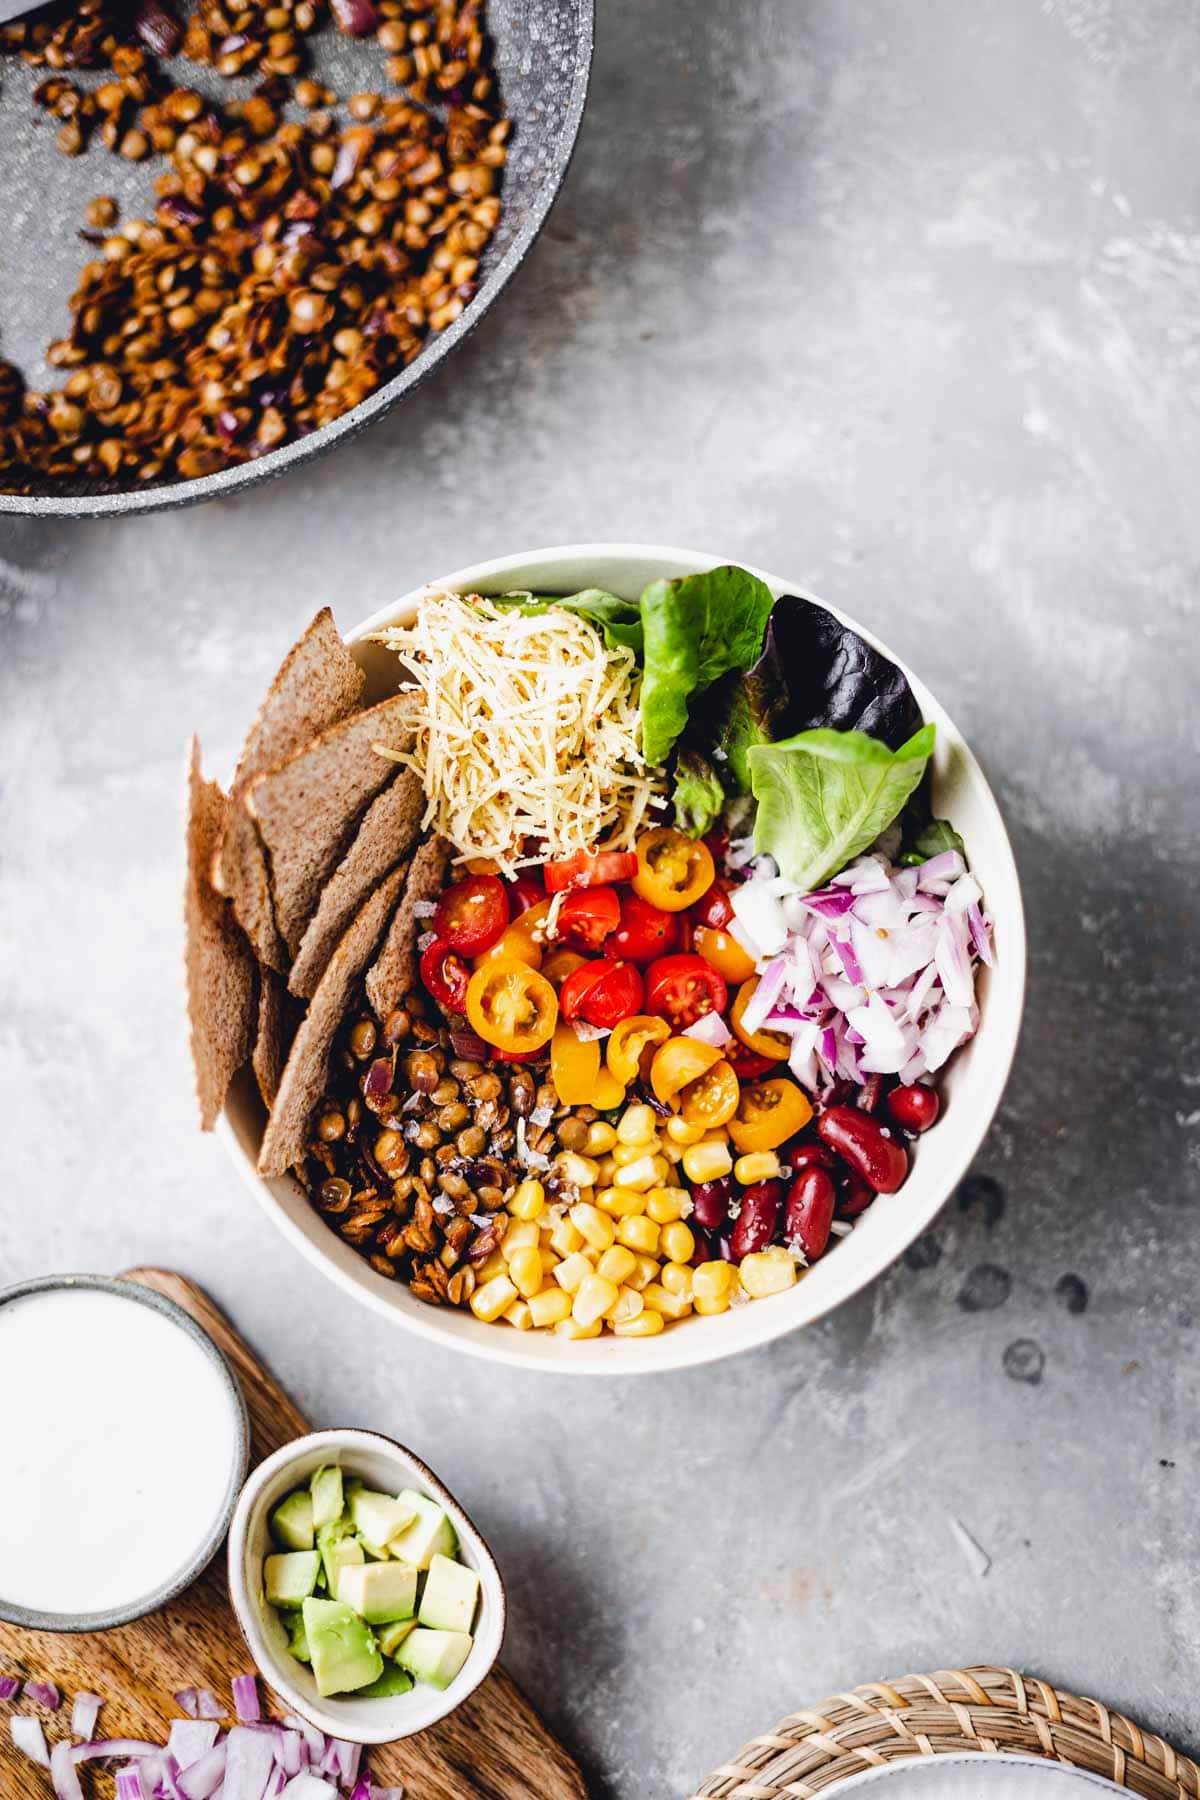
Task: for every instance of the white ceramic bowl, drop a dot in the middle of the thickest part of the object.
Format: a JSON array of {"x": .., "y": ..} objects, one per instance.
[
  {"x": 972, "y": 1087},
  {"x": 387, "y": 1467}
]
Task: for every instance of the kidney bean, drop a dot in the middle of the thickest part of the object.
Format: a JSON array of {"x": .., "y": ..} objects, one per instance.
[
  {"x": 854, "y": 1195},
  {"x": 870, "y": 1093},
  {"x": 755, "y": 1226},
  {"x": 710, "y": 1203},
  {"x": 703, "y": 1251},
  {"x": 808, "y": 1156},
  {"x": 914, "y": 1108},
  {"x": 809, "y": 1214},
  {"x": 862, "y": 1142}
]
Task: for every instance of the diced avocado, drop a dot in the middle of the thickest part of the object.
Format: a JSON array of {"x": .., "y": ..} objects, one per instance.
[
  {"x": 380, "y": 1591},
  {"x": 328, "y": 1502},
  {"x": 339, "y": 1547},
  {"x": 377, "y": 1518},
  {"x": 390, "y": 1637},
  {"x": 291, "y": 1577},
  {"x": 298, "y": 1639},
  {"x": 292, "y": 1521},
  {"x": 450, "y": 1597},
  {"x": 343, "y": 1651},
  {"x": 430, "y": 1534},
  {"x": 432, "y": 1656},
  {"x": 392, "y": 1681}
]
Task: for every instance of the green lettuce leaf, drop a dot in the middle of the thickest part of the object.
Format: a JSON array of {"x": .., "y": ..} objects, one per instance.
[
  {"x": 824, "y": 797},
  {"x": 695, "y": 630},
  {"x": 699, "y": 794},
  {"x": 619, "y": 620},
  {"x": 935, "y": 837}
]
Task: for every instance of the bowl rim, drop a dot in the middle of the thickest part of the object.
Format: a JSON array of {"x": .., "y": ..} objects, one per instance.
[
  {"x": 297, "y": 451},
  {"x": 493, "y": 1596},
  {"x": 681, "y": 1349},
  {"x": 31, "y": 1618}
]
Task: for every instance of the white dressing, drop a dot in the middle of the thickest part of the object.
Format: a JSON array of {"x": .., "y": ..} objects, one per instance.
[{"x": 117, "y": 1440}]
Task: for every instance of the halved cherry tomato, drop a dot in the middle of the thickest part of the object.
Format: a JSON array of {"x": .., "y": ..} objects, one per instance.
[
  {"x": 768, "y": 1114},
  {"x": 511, "y": 1006},
  {"x": 672, "y": 870},
  {"x": 471, "y": 915},
  {"x": 645, "y": 931},
  {"x": 683, "y": 989},
  {"x": 725, "y": 954},
  {"x": 514, "y": 941},
  {"x": 525, "y": 890},
  {"x": 680, "y": 1061},
  {"x": 445, "y": 974},
  {"x": 629, "y": 1043},
  {"x": 589, "y": 868},
  {"x": 602, "y": 993},
  {"x": 587, "y": 916},
  {"x": 747, "y": 1065},
  {"x": 561, "y": 963},
  {"x": 574, "y": 1065},
  {"x": 772, "y": 1044},
  {"x": 712, "y": 1099},
  {"x": 609, "y": 1094},
  {"x": 520, "y": 1056},
  {"x": 714, "y": 908}
]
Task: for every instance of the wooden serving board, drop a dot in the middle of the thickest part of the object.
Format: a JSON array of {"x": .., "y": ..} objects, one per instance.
[{"x": 492, "y": 1747}]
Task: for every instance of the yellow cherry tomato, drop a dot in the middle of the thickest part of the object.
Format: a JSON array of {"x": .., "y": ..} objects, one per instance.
[
  {"x": 561, "y": 963},
  {"x": 609, "y": 1094},
  {"x": 723, "y": 953},
  {"x": 680, "y": 1061},
  {"x": 513, "y": 945},
  {"x": 629, "y": 1041},
  {"x": 712, "y": 1099},
  {"x": 673, "y": 871},
  {"x": 764, "y": 1043},
  {"x": 511, "y": 1006},
  {"x": 768, "y": 1113},
  {"x": 574, "y": 1066}
]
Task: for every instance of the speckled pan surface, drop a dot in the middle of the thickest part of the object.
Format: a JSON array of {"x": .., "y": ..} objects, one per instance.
[{"x": 543, "y": 56}]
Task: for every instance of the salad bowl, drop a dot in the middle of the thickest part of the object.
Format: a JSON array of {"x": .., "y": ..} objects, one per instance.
[{"x": 973, "y": 1085}]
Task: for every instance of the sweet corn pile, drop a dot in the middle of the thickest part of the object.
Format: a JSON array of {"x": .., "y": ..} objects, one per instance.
[{"x": 619, "y": 1257}]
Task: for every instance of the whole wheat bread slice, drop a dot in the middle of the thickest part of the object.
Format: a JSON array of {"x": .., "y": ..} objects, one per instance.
[
  {"x": 304, "y": 1074},
  {"x": 307, "y": 808},
  {"x": 276, "y": 1027},
  {"x": 388, "y": 828},
  {"x": 218, "y": 963},
  {"x": 318, "y": 683},
  {"x": 394, "y": 973}
]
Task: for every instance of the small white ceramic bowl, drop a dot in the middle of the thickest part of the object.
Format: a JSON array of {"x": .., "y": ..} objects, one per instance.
[
  {"x": 971, "y": 1088},
  {"x": 388, "y": 1467}
]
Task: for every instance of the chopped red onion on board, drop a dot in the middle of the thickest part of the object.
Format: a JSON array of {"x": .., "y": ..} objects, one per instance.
[
  {"x": 28, "y": 1736},
  {"x": 84, "y": 1714},
  {"x": 43, "y": 1693},
  {"x": 10, "y": 1687},
  {"x": 245, "y": 1699}
]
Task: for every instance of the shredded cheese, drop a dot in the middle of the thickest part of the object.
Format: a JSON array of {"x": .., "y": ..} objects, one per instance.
[{"x": 528, "y": 734}]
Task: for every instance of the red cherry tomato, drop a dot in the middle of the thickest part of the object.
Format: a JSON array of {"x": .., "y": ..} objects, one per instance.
[
  {"x": 589, "y": 868},
  {"x": 645, "y": 931},
  {"x": 587, "y": 916},
  {"x": 525, "y": 890},
  {"x": 747, "y": 1064},
  {"x": 445, "y": 974},
  {"x": 684, "y": 988},
  {"x": 518, "y": 1056},
  {"x": 713, "y": 908},
  {"x": 472, "y": 914},
  {"x": 601, "y": 993}
]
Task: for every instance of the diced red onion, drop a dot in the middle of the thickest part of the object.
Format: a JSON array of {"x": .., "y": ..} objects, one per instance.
[
  {"x": 760, "y": 914},
  {"x": 710, "y": 1029},
  {"x": 129, "y": 1785},
  {"x": 190, "y": 1739},
  {"x": 851, "y": 967},
  {"x": 981, "y": 941},
  {"x": 770, "y": 986},
  {"x": 249, "y": 1760},
  {"x": 63, "y": 1779},
  {"x": 84, "y": 1714},
  {"x": 245, "y": 1699},
  {"x": 309, "y": 1787},
  {"x": 10, "y": 1687},
  {"x": 362, "y": 1789},
  {"x": 204, "y": 1777},
  {"x": 947, "y": 865},
  {"x": 185, "y": 1700},
  {"x": 348, "y": 1758},
  {"x": 208, "y": 1706},
  {"x": 29, "y": 1738},
  {"x": 43, "y": 1693}
]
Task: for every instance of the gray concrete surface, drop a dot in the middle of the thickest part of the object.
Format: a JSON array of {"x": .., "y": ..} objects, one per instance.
[{"x": 901, "y": 297}]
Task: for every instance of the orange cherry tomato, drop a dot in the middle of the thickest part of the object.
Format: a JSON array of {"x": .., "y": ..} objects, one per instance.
[
  {"x": 609, "y": 1094},
  {"x": 514, "y": 942},
  {"x": 772, "y": 1044},
  {"x": 768, "y": 1113},
  {"x": 574, "y": 1066},
  {"x": 561, "y": 963},
  {"x": 680, "y": 1061},
  {"x": 723, "y": 953},
  {"x": 672, "y": 870},
  {"x": 712, "y": 1099},
  {"x": 629, "y": 1042},
  {"x": 511, "y": 1006}
]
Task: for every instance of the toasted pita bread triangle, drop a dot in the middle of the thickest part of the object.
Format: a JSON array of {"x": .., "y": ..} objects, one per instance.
[
  {"x": 218, "y": 963},
  {"x": 394, "y": 973},
  {"x": 278, "y": 1014}
]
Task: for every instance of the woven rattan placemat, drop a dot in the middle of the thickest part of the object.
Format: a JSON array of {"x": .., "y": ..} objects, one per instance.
[{"x": 954, "y": 1710}]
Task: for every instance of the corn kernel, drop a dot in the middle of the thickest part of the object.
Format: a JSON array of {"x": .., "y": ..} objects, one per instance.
[
  {"x": 676, "y": 1277},
  {"x": 565, "y": 1239},
  {"x": 576, "y": 1171},
  {"x": 620, "y": 1202},
  {"x": 646, "y": 1172},
  {"x": 680, "y": 1132},
  {"x": 639, "y": 1233},
  {"x": 572, "y": 1272},
  {"x": 629, "y": 1306},
  {"x": 494, "y": 1265},
  {"x": 522, "y": 1236},
  {"x": 677, "y": 1243},
  {"x": 591, "y": 1223},
  {"x": 526, "y": 1273},
  {"x": 672, "y": 1152},
  {"x": 647, "y": 1324},
  {"x": 529, "y": 1201},
  {"x": 593, "y": 1298},
  {"x": 708, "y": 1308},
  {"x": 571, "y": 1328},
  {"x": 643, "y": 1275},
  {"x": 548, "y": 1307},
  {"x": 757, "y": 1165},
  {"x": 548, "y": 1259},
  {"x": 493, "y": 1298},
  {"x": 518, "y": 1314},
  {"x": 606, "y": 1169},
  {"x": 713, "y": 1281},
  {"x": 766, "y": 1272},
  {"x": 624, "y": 1154},
  {"x": 600, "y": 1138},
  {"x": 660, "y": 1299},
  {"x": 664, "y": 1204},
  {"x": 617, "y": 1263},
  {"x": 638, "y": 1125},
  {"x": 707, "y": 1160}
]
